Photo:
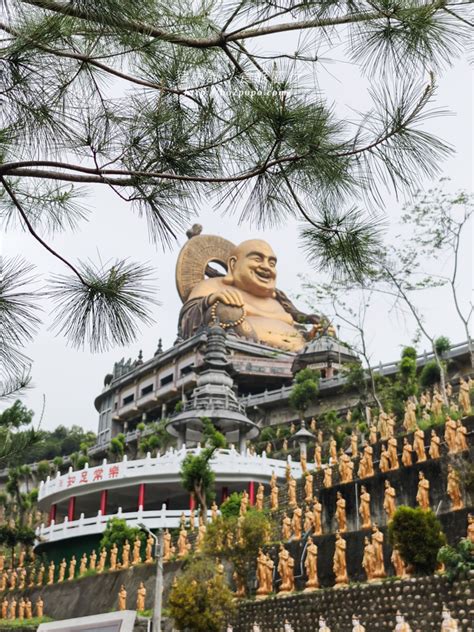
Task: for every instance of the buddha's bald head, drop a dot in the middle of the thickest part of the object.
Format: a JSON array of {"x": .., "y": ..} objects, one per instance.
[{"x": 252, "y": 267}]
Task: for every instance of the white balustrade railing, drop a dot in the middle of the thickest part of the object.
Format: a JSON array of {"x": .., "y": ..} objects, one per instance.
[
  {"x": 155, "y": 519},
  {"x": 166, "y": 467}
]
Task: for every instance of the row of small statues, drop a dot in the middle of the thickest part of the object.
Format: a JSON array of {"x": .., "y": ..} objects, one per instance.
[
  {"x": 455, "y": 436},
  {"x": 22, "y": 609},
  {"x": 19, "y": 579},
  {"x": 372, "y": 563},
  {"x": 383, "y": 425},
  {"x": 448, "y": 624},
  {"x": 311, "y": 521},
  {"x": 140, "y": 599}
]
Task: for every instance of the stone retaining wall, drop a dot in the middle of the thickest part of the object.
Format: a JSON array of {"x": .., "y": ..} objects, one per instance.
[{"x": 419, "y": 599}]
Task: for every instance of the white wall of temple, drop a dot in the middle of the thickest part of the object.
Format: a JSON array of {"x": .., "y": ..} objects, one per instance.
[{"x": 112, "y": 485}]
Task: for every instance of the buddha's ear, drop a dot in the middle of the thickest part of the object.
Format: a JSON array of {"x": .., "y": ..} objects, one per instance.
[{"x": 229, "y": 277}]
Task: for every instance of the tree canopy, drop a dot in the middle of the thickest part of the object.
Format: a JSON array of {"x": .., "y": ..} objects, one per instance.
[{"x": 167, "y": 104}]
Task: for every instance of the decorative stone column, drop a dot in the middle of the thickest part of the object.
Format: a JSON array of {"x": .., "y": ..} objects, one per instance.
[
  {"x": 103, "y": 502},
  {"x": 141, "y": 496},
  {"x": 71, "y": 508}
]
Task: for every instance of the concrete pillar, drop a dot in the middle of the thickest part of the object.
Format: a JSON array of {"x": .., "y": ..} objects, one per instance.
[
  {"x": 192, "y": 502},
  {"x": 181, "y": 438},
  {"x": 71, "y": 508},
  {"x": 141, "y": 495},
  {"x": 103, "y": 502},
  {"x": 224, "y": 494},
  {"x": 242, "y": 442}
]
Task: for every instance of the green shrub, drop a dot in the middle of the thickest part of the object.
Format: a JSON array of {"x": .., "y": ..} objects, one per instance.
[
  {"x": 442, "y": 345},
  {"x": 267, "y": 434},
  {"x": 430, "y": 374},
  {"x": 117, "y": 531},
  {"x": 409, "y": 352},
  {"x": 231, "y": 506},
  {"x": 417, "y": 534},
  {"x": 200, "y": 601},
  {"x": 458, "y": 560}
]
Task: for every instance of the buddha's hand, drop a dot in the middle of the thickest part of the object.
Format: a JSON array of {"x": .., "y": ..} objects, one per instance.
[{"x": 227, "y": 297}]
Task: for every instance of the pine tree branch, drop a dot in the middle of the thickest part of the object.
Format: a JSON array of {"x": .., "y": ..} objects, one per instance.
[
  {"x": 129, "y": 177},
  {"x": 30, "y": 228},
  {"x": 86, "y": 59}
]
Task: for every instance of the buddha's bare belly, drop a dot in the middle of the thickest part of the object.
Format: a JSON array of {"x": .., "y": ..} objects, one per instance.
[{"x": 275, "y": 332}]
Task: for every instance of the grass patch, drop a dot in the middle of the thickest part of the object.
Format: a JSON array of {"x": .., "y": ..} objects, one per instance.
[{"x": 11, "y": 624}]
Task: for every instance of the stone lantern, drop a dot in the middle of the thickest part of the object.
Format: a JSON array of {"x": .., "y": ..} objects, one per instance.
[{"x": 303, "y": 436}]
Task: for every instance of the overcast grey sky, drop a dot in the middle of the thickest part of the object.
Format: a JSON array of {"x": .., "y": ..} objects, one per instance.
[{"x": 69, "y": 379}]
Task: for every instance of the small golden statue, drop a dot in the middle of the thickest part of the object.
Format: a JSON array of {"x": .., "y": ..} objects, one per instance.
[
  {"x": 356, "y": 625},
  {"x": 201, "y": 534},
  {"x": 51, "y": 573},
  {"x": 102, "y": 560},
  {"x": 392, "y": 453},
  {"x": 273, "y": 496},
  {"x": 308, "y": 487},
  {"x": 435, "y": 443},
  {"x": 113, "y": 557},
  {"x": 368, "y": 560},
  {"x": 407, "y": 453},
  {"x": 368, "y": 461},
  {"x": 31, "y": 582},
  {"x": 268, "y": 448},
  {"x": 149, "y": 549},
  {"x": 332, "y": 450},
  {"x": 285, "y": 445},
  {"x": 126, "y": 554},
  {"x": 308, "y": 524},
  {"x": 4, "y": 609},
  {"x": 317, "y": 457},
  {"x": 22, "y": 582},
  {"x": 72, "y": 568},
  {"x": 384, "y": 464},
  {"x": 461, "y": 437},
  {"x": 40, "y": 576},
  {"x": 3, "y": 582},
  {"x": 389, "y": 502},
  {"x": 419, "y": 445},
  {"x": 137, "y": 558},
  {"x": 260, "y": 497},
  {"x": 383, "y": 426},
  {"x": 183, "y": 545},
  {"x": 398, "y": 564},
  {"x": 423, "y": 494},
  {"x": 92, "y": 560},
  {"x": 292, "y": 427},
  {"x": 122, "y": 598},
  {"x": 464, "y": 396},
  {"x": 312, "y": 424},
  {"x": 264, "y": 574},
  {"x": 341, "y": 513},
  {"x": 402, "y": 625},
  {"x": 327, "y": 479},
  {"x": 141, "y": 596},
  {"x": 311, "y": 566},
  {"x": 354, "y": 444},
  {"x": 239, "y": 585},
  {"x": 12, "y": 609},
  {"x": 346, "y": 467},
  {"x": 292, "y": 493},
  {"x": 450, "y": 435},
  {"x": 409, "y": 419},
  {"x": 339, "y": 565},
  {"x": 286, "y": 571},
  {"x": 377, "y": 541},
  {"x": 286, "y": 527},
  {"x": 21, "y": 609},
  {"x": 317, "y": 513},
  {"x": 2, "y": 561},
  {"x": 364, "y": 508},
  {"x": 448, "y": 624},
  {"x": 83, "y": 565},
  {"x": 372, "y": 434},
  {"x": 167, "y": 547},
  {"x": 39, "y": 607},
  {"x": 214, "y": 509},
  {"x": 470, "y": 528},
  {"x": 28, "y": 609},
  {"x": 62, "y": 570},
  {"x": 296, "y": 523},
  {"x": 454, "y": 489},
  {"x": 437, "y": 402}
]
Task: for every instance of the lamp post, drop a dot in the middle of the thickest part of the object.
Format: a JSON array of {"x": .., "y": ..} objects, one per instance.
[
  {"x": 303, "y": 437},
  {"x": 157, "y": 605}
]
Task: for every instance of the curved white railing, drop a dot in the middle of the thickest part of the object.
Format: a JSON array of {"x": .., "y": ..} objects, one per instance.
[
  {"x": 226, "y": 465},
  {"x": 156, "y": 519}
]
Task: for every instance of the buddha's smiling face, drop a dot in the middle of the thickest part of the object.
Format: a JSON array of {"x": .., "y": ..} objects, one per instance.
[{"x": 253, "y": 268}]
